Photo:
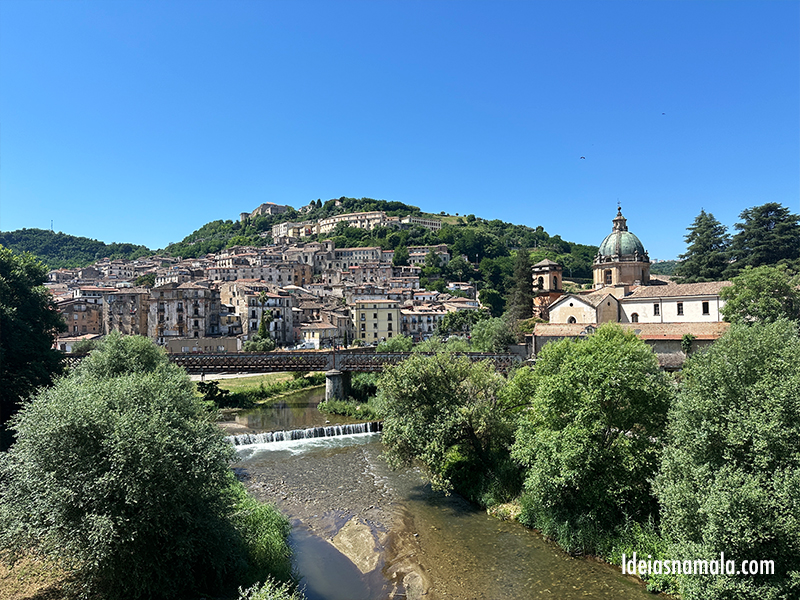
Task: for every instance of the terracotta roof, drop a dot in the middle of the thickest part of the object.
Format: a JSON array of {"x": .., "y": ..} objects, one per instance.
[
  {"x": 673, "y": 290},
  {"x": 646, "y": 331},
  {"x": 322, "y": 325},
  {"x": 546, "y": 263}
]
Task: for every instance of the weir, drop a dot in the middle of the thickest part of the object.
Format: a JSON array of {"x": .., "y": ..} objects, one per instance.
[{"x": 247, "y": 439}]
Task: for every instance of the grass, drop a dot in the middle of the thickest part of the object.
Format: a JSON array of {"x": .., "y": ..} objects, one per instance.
[
  {"x": 242, "y": 384},
  {"x": 31, "y": 578}
]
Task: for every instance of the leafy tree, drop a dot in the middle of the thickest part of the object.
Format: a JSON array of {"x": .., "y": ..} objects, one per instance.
[
  {"x": 706, "y": 255},
  {"x": 444, "y": 412},
  {"x": 492, "y": 335},
  {"x": 767, "y": 235},
  {"x": 437, "y": 344},
  {"x": 591, "y": 441},
  {"x": 146, "y": 280},
  {"x": 459, "y": 269},
  {"x": 730, "y": 475},
  {"x": 400, "y": 258},
  {"x": 29, "y": 324},
  {"x": 460, "y": 321},
  {"x": 83, "y": 347},
  {"x": 762, "y": 294},
  {"x": 120, "y": 476},
  {"x": 398, "y": 343},
  {"x": 492, "y": 299},
  {"x": 259, "y": 344},
  {"x": 520, "y": 303}
]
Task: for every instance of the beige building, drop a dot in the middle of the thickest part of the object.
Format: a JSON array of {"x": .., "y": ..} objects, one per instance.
[
  {"x": 268, "y": 208},
  {"x": 361, "y": 220},
  {"x": 674, "y": 303},
  {"x": 375, "y": 320},
  {"x": 251, "y": 298},
  {"x": 82, "y": 315},
  {"x": 433, "y": 224}
]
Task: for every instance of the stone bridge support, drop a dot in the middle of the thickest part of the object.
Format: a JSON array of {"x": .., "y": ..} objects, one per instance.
[{"x": 337, "y": 385}]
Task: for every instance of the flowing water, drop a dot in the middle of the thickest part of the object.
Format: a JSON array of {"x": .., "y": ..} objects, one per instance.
[{"x": 364, "y": 532}]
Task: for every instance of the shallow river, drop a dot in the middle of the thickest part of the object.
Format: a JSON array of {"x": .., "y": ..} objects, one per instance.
[{"x": 364, "y": 532}]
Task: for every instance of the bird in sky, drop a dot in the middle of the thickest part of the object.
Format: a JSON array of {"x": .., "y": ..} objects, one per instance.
[{"x": 583, "y": 158}]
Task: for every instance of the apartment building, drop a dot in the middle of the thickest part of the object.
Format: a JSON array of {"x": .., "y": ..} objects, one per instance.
[
  {"x": 375, "y": 320},
  {"x": 428, "y": 223},
  {"x": 187, "y": 310},
  {"x": 252, "y": 298},
  {"x": 361, "y": 220},
  {"x": 82, "y": 315},
  {"x": 127, "y": 311}
]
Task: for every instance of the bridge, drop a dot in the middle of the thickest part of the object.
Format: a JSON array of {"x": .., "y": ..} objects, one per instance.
[{"x": 337, "y": 365}]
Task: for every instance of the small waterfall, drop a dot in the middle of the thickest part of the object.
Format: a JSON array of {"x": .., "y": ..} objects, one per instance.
[{"x": 247, "y": 439}]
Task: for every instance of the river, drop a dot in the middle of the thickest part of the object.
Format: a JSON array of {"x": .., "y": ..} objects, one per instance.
[{"x": 364, "y": 532}]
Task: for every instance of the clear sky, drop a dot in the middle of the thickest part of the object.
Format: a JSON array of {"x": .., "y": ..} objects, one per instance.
[{"x": 141, "y": 121}]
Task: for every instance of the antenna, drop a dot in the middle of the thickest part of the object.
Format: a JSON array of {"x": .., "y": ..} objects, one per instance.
[{"x": 51, "y": 225}]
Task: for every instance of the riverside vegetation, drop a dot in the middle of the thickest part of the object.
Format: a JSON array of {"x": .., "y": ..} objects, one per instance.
[
  {"x": 120, "y": 477},
  {"x": 607, "y": 455}
]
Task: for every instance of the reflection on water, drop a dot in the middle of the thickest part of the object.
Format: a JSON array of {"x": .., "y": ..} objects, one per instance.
[{"x": 295, "y": 411}]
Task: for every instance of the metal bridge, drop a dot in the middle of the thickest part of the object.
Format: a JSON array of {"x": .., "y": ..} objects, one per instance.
[{"x": 307, "y": 360}]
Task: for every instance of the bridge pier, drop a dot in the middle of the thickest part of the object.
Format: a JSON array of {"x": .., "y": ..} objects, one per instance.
[{"x": 337, "y": 384}]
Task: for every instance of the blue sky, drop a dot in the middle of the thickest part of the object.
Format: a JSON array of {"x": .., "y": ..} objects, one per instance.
[{"x": 141, "y": 121}]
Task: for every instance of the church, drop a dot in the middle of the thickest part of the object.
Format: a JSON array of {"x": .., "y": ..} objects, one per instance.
[{"x": 655, "y": 308}]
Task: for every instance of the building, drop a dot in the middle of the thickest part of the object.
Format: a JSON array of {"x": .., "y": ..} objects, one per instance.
[
  {"x": 127, "y": 311},
  {"x": 411, "y": 220},
  {"x": 83, "y": 316},
  {"x": 251, "y": 299},
  {"x": 375, "y": 320},
  {"x": 362, "y": 220},
  {"x": 188, "y": 310},
  {"x": 621, "y": 258},
  {"x": 268, "y": 208}
]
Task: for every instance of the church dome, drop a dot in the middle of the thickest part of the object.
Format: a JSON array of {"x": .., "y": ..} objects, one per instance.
[{"x": 621, "y": 242}]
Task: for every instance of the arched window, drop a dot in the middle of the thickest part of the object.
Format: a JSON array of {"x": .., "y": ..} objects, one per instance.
[
  {"x": 572, "y": 320},
  {"x": 608, "y": 276},
  {"x": 555, "y": 283},
  {"x": 635, "y": 318},
  {"x": 541, "y": 282}
]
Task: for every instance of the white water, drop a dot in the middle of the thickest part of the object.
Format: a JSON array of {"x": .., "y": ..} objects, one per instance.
[
  {"x": 269, "y": 437},
  {"x": 303, "y": 445}
]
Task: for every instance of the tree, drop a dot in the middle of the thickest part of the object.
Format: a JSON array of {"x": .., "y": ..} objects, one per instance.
[
  {"x": 444, "y": 411},
  {"x": 400, "y": 258},
  {"x": 730, "y": 473},
  {"x": 398, "y": 343},
  {"x": 762, "y": 294},
  {"x": 591, "y": 440},
  {"x": 767, "y": 235},
  {"x": 146, "y": 280},
  {"x": 460, "y": 321},
  {"x": 120, "y": 476},
  {"x": 492, "y": 335},
  {"x": 493, "y": 300},
  {"x": 520, "y": 303},
  {"x": 259, "y": 344},
  {"x": 459, "y": 269},
  {"x": 706, "y": 255},
  {"x": 29, "y": 324}
]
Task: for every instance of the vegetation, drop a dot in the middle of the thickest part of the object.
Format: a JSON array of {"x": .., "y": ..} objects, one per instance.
[
  {"x": 706, "y": 256},
  {"x": 248, "y": 394},
  {"x": 445, "y": 413},
  {"x": 768, "y": 235},
  {"x": 59, "y": 250},
  {"x": 664, "y": 267},
  {"x": 460, "y": 321},
  {"x": 520, "y": 296},
  {"x": 365, "y": 411},
  {"x": 398, "y": 343},
  {"x": 492, "y": 335},
  {"x": 121, "y": 477},
  {"x": 259, "y": 344},
  {"x": 729, "y": 479},
  {"x": 764, "y": 294},
  {"x": 29, "y": 324},
  {"x": 591, "y": 441}
]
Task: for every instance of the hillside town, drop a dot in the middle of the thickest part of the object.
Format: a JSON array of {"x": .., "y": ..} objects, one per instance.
[{"x": 314, "y": 295}]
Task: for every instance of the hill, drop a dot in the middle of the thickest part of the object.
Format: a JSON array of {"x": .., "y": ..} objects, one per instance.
[{"x": 60, "y": 250}]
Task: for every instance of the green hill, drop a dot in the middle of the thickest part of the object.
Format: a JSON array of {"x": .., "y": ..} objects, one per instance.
[{"x": 60, "y": 250}]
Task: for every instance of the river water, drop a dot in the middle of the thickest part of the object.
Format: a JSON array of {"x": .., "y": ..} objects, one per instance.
[{"x": 364, "y": 532}]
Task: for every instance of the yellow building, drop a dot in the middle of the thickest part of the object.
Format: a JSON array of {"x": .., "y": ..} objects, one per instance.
[{"x": 375, "y": 320}]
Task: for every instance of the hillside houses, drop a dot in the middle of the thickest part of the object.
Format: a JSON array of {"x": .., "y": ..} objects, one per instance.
[{"x": 308, "y": 293}]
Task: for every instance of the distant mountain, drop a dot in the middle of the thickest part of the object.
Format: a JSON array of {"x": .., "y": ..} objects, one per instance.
[
  {"x": 664, "y": 267},
  {"x": 60, "y": 250}
]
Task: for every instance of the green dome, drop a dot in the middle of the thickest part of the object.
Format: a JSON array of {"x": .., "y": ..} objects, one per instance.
[{"x": 621, "y": 243}]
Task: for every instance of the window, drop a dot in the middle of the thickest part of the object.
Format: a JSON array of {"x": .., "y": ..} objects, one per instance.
[
  {"x": 680, "y": 308},
  {"x": 389, "y": 327},
  {"x": 572, "y": 320},
  {"x": 555, "y": 283},
  {"x": 374, "y": 315},
  {"x": 656, "y": 309},
  {"x": 540, "y": 282},
  {"x": 389, "y": 316},
  {"x": 363, "y": 335},
  {"x": 705, "y": 308},
  {"x": 608, "y": 276},
  {"x": 363, "y": 327},
  {"x": 635, "y": 318},
  {"x": 375, "y": 335}
]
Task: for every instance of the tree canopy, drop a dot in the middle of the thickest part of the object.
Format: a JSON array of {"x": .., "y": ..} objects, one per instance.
[
  {"x": 121, "y": 477},
  {"x": 768, "y": 234},
  {"x": 763, "y": 294},
  {"x": 591, "y": 441},
  {"x": 706, "y": 256},
  {"x": 29, "y": 324},
  {"x": 731, "y": 471}
]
